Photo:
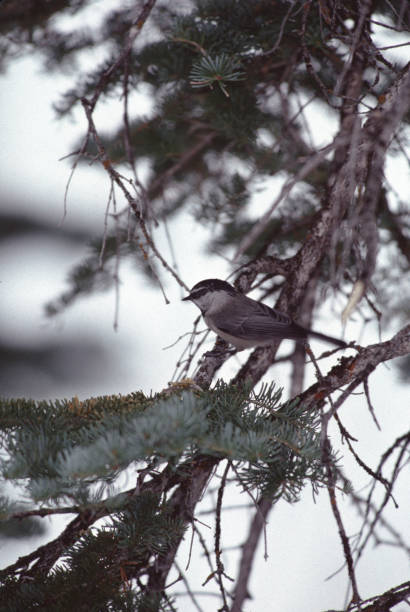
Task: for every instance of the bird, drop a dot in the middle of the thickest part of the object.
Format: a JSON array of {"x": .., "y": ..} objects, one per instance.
[{"x": 246, "y": 323}]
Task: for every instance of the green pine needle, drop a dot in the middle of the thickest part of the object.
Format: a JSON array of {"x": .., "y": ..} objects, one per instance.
[{"x": 219, "y": 70}]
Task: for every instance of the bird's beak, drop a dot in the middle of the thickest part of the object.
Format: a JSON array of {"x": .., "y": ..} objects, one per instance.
[{"x": 188, "y": 297}]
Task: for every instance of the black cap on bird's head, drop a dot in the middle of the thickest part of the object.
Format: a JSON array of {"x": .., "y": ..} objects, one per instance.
[{"x": 207, "y": 285}]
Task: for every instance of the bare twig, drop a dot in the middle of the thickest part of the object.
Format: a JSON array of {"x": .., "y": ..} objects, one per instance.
[
  {"x": 308, "y": 167},
  {"x": 117, "y": 179},
  {"x": 384, "y": 602},
  {"x": 331, "y": 487},
  {"x": 248, "y": 552},
  {"x": 220, "y": 570},
  {"x": 135, "y": 29}
]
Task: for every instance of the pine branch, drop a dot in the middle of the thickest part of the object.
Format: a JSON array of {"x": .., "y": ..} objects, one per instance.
[
  {"x": 351, "y": 368},
  {"x": 135, "y": 29},
  {"x": 380, "y": 126},
  {"x": 355, "y": 367},
  {"x": 76, "y": 460},
  {"x": 160, "y": 182}
]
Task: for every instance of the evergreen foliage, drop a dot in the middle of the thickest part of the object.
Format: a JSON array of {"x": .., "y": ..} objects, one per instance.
[
  {"x": 231, "y": 84},
  {"x": 230, "y": 70},
  {"x": 71, "y": 452}
]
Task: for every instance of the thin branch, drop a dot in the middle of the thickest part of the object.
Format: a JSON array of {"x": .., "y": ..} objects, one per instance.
[
  {"x": 365, "y": 10},
  {"x": 203, "y": 142},
  {"x": 44, "y": 512},
  {"x": 369, "y": 403},
  {"x": 189, "y": 591},
  {"x": 383, "y": 602},
  {"x": 116, "y": 177},
  {"x": 313, "y": 162},
  {"x": 135, "y": 29},
  {"x": 405, "y": 442},
  {"x": 331, "y": 487},
  {"x": 220, "y": 570},
  {"x": 281, "y": 31},
  {"x": 248, "y": 552}
]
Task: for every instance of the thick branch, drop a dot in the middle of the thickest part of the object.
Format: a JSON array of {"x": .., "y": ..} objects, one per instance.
[
  {"x": 190, "y": 478},
  {"x": 45, "y": 556},
  {"x": 357, "y": 368},
  {"x": 183, "y": 500},
  {"x": 383, "y": 602},
  {"x": 374, "y": 138},
  {"x": 182, "y": 504}
]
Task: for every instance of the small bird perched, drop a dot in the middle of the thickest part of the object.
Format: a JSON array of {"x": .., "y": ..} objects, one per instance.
[{"x": 245, "y": 322}]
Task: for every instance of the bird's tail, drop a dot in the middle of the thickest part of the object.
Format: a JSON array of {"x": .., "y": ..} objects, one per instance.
[{"x": 330, "y": 339}]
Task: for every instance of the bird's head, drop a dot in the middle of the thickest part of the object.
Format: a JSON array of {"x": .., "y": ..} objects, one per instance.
[{"x": 210, "y": 293}]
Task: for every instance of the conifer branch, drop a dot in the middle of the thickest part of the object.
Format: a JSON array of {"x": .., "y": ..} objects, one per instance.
[
  {"x": 357, "y": 367},
  {"x": 213, "y": 138},
  {"x": 380, "y": 126},
  {"x": 135, "y": 29}
]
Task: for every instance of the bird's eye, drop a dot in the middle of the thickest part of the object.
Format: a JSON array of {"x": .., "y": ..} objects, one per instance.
[{"x": 198, "y": 294}]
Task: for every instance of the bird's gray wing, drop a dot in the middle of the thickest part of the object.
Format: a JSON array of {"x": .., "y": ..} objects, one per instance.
[{"x": 252, "y": 320}]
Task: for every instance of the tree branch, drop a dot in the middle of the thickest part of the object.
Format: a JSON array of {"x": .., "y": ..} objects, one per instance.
[
  {"x": 248, "y": 552},
  {"x": 358, "y": 367},
  {"x": 383, "y": 602},
  {"x": 375, "y": 135}
]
